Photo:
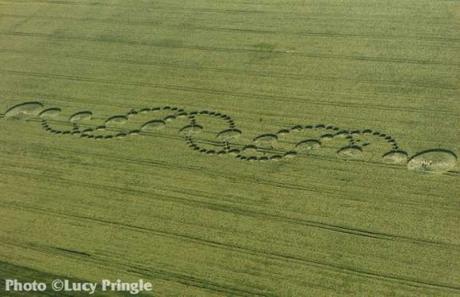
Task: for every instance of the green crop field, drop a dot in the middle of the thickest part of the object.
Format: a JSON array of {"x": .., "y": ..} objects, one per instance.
[{"x": 231, "y": 148}]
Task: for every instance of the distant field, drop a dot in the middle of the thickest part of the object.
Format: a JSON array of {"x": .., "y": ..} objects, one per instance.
[{"x": 232, "y": 148}]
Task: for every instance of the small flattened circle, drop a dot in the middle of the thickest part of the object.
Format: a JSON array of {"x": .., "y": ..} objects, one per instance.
[
  {"x": 433, "y": 161},
  {"x": 24, "y": 109},
  {"x": 49, "y": 112},
  {"x": 350, "y": 152},
  {"x": 395, "y": 157},
  {"x": 80, "y": 116},
  {"x": 229, "y": 134},
  {"x": 308, "y": 144},
  {"x": 153, "y": 125}
]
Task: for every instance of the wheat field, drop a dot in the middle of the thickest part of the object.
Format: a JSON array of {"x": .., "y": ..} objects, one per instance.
[{"x": 231, "y": 148}]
